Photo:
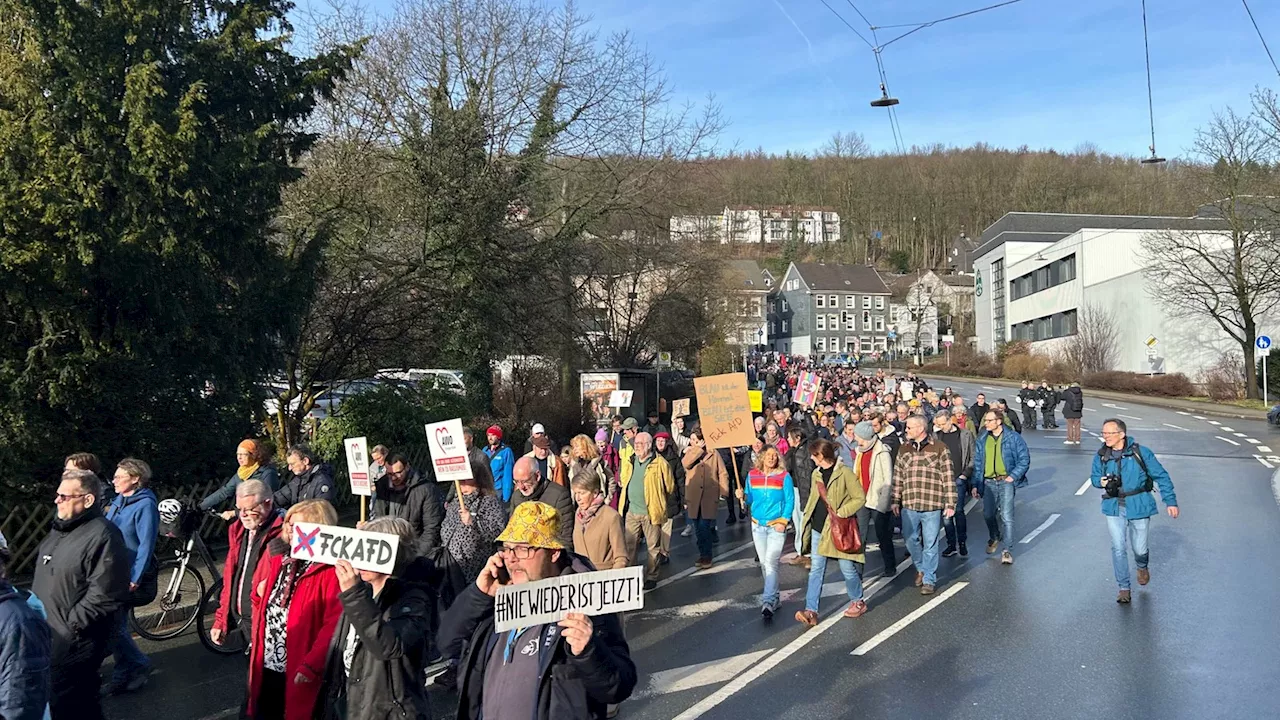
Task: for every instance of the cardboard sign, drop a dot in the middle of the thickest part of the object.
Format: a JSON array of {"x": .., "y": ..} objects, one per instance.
[
  {"x": 358, "y": 465},
  {"x": 725, "y": 410},
  {"x": 620, "y": 398},
  {"x": 680, "y": 408},
  {"x": 448, "y": 451},
  {"x": 327, "y": 544},
  {"x": 807, "y": 386},
  {"x": 757, "y": 400},
  {"x": 548, "y": 601}
]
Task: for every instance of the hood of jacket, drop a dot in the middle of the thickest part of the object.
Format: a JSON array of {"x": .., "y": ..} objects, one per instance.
[
  {"x": 66, "y": 526},
  {"x": 121, "y": 502}
]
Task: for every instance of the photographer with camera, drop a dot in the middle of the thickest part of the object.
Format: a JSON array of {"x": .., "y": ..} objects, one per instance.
[{"x": 1128, "y": 473}]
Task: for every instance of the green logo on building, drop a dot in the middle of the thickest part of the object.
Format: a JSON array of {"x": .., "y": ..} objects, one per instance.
[{"x": 977, "y": 283}]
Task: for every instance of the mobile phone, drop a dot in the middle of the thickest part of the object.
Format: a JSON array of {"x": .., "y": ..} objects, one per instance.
[{"x": 504, "y": 577}]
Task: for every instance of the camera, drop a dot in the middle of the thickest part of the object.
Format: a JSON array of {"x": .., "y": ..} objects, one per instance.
[{"x": 1111, "y": 484}]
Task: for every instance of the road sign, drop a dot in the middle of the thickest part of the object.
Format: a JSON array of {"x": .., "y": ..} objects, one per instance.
[
  {"x": 892, "y": 335},
  {"x": 1263, "y": 342},
  {"x": 664, "y": 359},
  {"x": 1152, "y": 341}
]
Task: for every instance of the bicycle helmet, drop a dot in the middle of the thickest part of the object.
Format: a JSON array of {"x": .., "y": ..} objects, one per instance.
[{"x": 170, "y": 511}]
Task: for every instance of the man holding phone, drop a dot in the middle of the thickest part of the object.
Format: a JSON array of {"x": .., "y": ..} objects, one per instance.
[{"x": 503, "y": 675}]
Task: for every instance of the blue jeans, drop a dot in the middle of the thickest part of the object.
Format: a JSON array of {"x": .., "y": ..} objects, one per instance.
[
  {"x": 921, "y": 529},
  {"x": 702, "y": 529},
  {"x": 130, "y": 661},
  {"x": 851, "y": 570},
  {"x": 997, "y": 500},
  {"x": 957, "y": 527},
  {"x": 769, "y": 545},
  {"x": 1137, "y": 528},
  {"x": 797, "y": 521}
]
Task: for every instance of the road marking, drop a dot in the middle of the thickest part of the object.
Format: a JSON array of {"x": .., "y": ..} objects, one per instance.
[
  {"x": 1255, "y": 442},
  {"x": 1128, "y": 417},
  {"x": 699, "y": 674},
  {"x": 1275, "y": 487},
  {"x": 1113, "y": 406},
  {"x": 831, "y": 589},
  {"x": 725, "y": 567},
  {"x": 988, "y": 387},
  {"x": 1213, "y": 422},
  {"x": 1263, "y": 448},
  {"x": 1043, "y": 526},
  {"x": 1198, "y": 417},
  {"x": 1239, "y": 434},
  {"x": 1224, "y": 428},
  {"x": 1175, "y": 427},
  {"x": 1085, "y": 487},
  {"x": 229, "y": 712},
  {"x": 740, "y": 682},
  {"x": 1090, "y": 410},
  {"x": 1229, "y": 440},
  {"x": 1265, "y": 464},
  {"x": 969, "y": 505},
  {"x": 1183, "y": 413},
  {"x": 916, "y": 614},
  {"x": 691, "y": 570}
]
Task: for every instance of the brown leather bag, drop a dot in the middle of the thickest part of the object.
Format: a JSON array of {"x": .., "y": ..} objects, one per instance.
[{"x": 844, "y": 531}]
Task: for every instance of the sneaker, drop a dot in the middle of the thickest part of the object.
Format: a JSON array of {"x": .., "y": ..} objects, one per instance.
[
  {"x": 1144, "y": 576},
  {"x": 138, "y": 681},
  {"x": 766, "y": 612},
  {"x": 611, "y": 711},
  {"x": 992, "y": 545},
  {"x": 950, "y": 551},
  {"x": 650, "y": 584},
  {"x": 808, "y": 618},
  {"x": 687, "y": 531},
  {"x": 964, "y": 550},
  {"x": 703, "y": 563},
  {"x": 1006, "y": 558},
  {"x": 731, "y": 521},
  {"x": 1066, "y": 442},
  {"x": 926, "y": 589},
  {"x": 919, "y": 579},
  {"x": 664, "y": 559},
  {"x": 856, "y": 609},
  {"x": 1124, "y": 597},
  {"x": 447, "y": 679}
]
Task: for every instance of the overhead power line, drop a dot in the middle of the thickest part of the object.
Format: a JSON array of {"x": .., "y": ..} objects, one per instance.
[
  {"x": 916, "y": 27},
  {"x": 846, "y": 24},
  {"x": 1260, "y": 37}
]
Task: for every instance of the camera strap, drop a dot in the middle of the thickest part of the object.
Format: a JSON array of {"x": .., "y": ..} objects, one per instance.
[{"x": 1134, "y": 450}]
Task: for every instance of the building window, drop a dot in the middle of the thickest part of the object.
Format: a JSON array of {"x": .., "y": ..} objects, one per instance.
[
  {"x": 849, "y": 323},
  {"x": 1048, "y": 327},
  {"x": 849, "y": 301},
  {"x": 997, "y": 301},
  {"x": 866, "y": 302},
  {"x": 1059, "y": 271},
  {"x": 833, "y": 301},
  {"x": 771, "y": 330},
  {"x": 866, "y": 344},
  {"x": 821, "y": 343},
  {"x": 822, "y": 301},
  {"x": 784, "y": 304},
  {"x": 880, "y": 323},
  {"x": 822, "y": 322},
  {"x": 756, "y": 306},
  {"x": 851, "y": 344},
  {"x": 773, "y": 306},
  {"x": 784, "y": 326},
  {"x": 882, "y": 343},
  {"x": 879, "y": 302}
]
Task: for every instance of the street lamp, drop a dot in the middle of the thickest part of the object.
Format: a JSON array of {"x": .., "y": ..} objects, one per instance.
[
  {"x": 1154, "y": 159},
  {"x": 884, "y": 100}
]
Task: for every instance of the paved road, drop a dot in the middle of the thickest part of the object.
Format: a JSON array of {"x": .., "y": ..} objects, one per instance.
[{"x": 1043, "y": 638}]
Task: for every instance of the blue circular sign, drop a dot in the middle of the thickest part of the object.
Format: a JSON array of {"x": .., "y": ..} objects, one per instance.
[{"x": 1263, "y": 342}]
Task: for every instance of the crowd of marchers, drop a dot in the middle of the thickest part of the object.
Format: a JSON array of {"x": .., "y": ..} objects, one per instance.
[{"x": 872, "y": 457}]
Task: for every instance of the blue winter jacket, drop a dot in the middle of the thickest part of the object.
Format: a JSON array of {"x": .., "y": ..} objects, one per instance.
[
  {"x": 138, "y": 517},
  {"x": 770, "y": 497},
  {"x": 503, "y": 463},
  {"x": 1142, "y": 505},
  {"x": 1017, "y": 459},
  {"x": 26, "y": 649}
]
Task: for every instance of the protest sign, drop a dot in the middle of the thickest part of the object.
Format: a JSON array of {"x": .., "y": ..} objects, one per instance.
[
  {"x": 327, "y": 544},
  {"x": 448, "y": 451},
  {"x": 358, "y": 465},
  {"x": 548, "y": 601},
  {"x": 725, "y": 410},
  {"x": 680, "y": 408},
  {"x": 757, "y": 400},
  {"x": 807, "y": 386},
  {"x": 620, "y": 398}
]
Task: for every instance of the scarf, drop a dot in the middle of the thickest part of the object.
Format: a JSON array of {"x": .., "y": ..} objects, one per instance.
[
  {"x": 585, "y": 516},
  {"x": 247, "y": 471}
]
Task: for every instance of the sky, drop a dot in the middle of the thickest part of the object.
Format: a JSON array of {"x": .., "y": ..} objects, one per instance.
[{"x": 1041, "y": 73}]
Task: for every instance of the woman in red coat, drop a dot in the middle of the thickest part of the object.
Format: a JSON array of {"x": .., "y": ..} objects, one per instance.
[{"x": 295, "y": 611}]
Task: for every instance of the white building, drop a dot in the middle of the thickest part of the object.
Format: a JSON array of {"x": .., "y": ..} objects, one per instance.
[
  {"x": 748, "y": 224},
  {"x": 1034, "y": 272},
  {"x": 749, "y": 286}
]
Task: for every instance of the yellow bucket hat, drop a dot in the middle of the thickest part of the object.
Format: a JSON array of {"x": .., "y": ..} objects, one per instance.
[{"x": 534, "y": 524}]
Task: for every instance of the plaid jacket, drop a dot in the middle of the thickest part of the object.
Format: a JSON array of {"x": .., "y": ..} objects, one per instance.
[{"x": 922, "y": 478}]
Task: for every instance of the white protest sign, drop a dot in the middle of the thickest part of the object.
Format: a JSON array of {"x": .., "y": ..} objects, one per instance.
[
  {"x": 358, "y": 465},
  {"x": 548, "y": 601},
  {"x": 620, "y": 398},
  {"x": 328, "y": 544},
  {"x": 448, "y": 451}
]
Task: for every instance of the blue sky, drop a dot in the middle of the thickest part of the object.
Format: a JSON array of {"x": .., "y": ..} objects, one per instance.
[{"x": 1041, "y": 73}]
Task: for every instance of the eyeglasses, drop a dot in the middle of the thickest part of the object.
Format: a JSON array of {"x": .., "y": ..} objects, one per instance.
[
  {"x": 255, "y": 509},
  {"x": 519, "y": 552},
  {"x": 1112, "y": 432},
  {"x": 60, "y": 498}
]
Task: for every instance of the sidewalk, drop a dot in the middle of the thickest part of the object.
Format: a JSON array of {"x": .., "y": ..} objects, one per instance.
[{"x": 1191, "y": 406}]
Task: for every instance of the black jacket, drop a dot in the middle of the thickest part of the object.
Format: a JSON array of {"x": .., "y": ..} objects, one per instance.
[
  {"x": 558, "y": 497},
  {"x": 976, "y": 411},
  {"x": 315, "y": 484},
  {"x": 385, "y": 681},
  {"x": 418, "y": 502},
  {"x": 800, "y": 465},
  {"x": 1049, "y": 397},
  {"x": 1072, "y": 403},
  {"x": 676, "y": 500},
  {"x": 570, "y": 687},
  {"x": 82, "y": 577}
]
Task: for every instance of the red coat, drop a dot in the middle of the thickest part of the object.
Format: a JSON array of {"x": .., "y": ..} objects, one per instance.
[
  {"x": 313, "y": 615},
  {"x": 235, "y": 538}
]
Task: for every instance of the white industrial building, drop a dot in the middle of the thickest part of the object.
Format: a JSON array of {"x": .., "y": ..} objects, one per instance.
[
  {"x": 1035, "y": 272},
  {"x": 769, "y": 225}
]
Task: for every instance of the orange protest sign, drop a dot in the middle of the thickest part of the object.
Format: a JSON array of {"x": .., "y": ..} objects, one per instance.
[{"x": 725, "y": 410}]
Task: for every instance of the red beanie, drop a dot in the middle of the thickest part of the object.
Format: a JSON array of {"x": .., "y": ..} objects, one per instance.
[{"x": 494, "y": 430}]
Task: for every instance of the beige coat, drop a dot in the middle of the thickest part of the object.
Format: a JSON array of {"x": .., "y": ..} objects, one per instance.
[
  {"x": 880, "y": 494},
  {"x": 601, "y": 540},
  {"x": 705, "y": 482}
]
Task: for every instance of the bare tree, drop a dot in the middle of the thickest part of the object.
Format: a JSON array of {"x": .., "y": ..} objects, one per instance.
[
  {"x": 1095, "y": 345},
  {"x": 1229, "y": 275}
]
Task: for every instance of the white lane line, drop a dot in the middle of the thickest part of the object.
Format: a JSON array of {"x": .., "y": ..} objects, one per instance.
[
  {"x": 916, "y": 614},
  {"x": 1263, "y": 448},
  {"x": 969, "y": 505},
  {"x": 1255, "y": 442},
  {"x": 1184, "y": 413},
  {"x": 1198, "y": 417},
  {"x": 987, "y": 387},
  {"x": 1090, "y": 410},
  {"x": 1227, "y": 440},
  {"x": 691, "y": 570},
  {"x": 725, "y": 567},
  {"x": 1043, "y": 526},
  {"x": 1239, "y": 434},
  {"x": 1224, "y": 428},
  {"x": 221, "y": 714},
  {"x": 831, "y": 589},
  {"x": 1113, "y": 406},
  {"x": 736, "y": 685},
  {"x": 1175, "y": 427},
  {"x": 1085, "y": 487},
  {"x": 1128, "y": 417},
  {"x": 699, "y": 674},
  {"x": 1214, "y": 422},
  {"x": 1265, "y": 464}
]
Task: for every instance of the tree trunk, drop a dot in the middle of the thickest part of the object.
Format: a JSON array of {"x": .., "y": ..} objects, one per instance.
[{"x": 1251, "y": 391}]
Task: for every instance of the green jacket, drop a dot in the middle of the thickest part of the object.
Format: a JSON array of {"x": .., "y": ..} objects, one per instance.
[{"x": 846, "y": 497}]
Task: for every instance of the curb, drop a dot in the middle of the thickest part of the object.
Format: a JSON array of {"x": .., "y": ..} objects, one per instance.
[
  {"x": 1186, "y": 406},
  {"x": 1275, "y": 486}
]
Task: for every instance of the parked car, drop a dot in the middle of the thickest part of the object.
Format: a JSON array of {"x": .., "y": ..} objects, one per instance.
[{"x": 427, "y": 378}]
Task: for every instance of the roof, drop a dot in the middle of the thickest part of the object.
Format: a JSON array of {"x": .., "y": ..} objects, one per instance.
[
  {"x": 746, "y": 273},
  {"x": 899, "y": 284},
  {"x": 784, "y": 209},
  {"x": 1052, "y": 227},
  {"x": 964, "y": 281},
  {"x": 846, "y": 278}
]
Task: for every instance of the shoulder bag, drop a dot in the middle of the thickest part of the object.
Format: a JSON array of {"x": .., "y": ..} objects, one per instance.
[{"x": 844, "y": 531}]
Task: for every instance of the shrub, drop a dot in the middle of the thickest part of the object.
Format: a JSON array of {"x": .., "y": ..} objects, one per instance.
[
  {"x": 1224, "y": 380},
  {"x": 390, "y": 414},
  {"x": 1012, "y": 348},
  {"x": 1175, "y": 385},
  {"x": 1015, "y": 367},
  {"x": 1059, "y": 373}
]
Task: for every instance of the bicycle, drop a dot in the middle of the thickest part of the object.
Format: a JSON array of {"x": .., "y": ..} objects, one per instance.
[{"x": 183, "y": 600}]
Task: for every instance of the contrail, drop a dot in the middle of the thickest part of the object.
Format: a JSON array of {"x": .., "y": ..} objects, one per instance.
[{"x": 812, "y": 58}]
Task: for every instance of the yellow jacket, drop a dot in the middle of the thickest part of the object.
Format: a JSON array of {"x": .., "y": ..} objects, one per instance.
[{"x": 659, "y": 484}]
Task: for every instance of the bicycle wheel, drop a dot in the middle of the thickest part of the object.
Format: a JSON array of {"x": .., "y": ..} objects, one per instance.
[
  {"x": 175, "y": 607},
  {"x": 233, "y": 641}
]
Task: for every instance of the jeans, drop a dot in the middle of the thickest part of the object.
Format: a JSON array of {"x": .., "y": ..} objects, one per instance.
[
  {"x": 957, "y": 526},
  {"x": 851, "y": 570},
  {"x": 921, "y": 529},
  {"x": 1137, "y": 528},
  {"x": 883, "y": 525},
  {"x": 702, "y": 529},
  {"x": 769, "y": 545},
  {"x": 797, "y": 521},
  {"x": 997, "y": 499},
  {"x": 130, "y": 661}
]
